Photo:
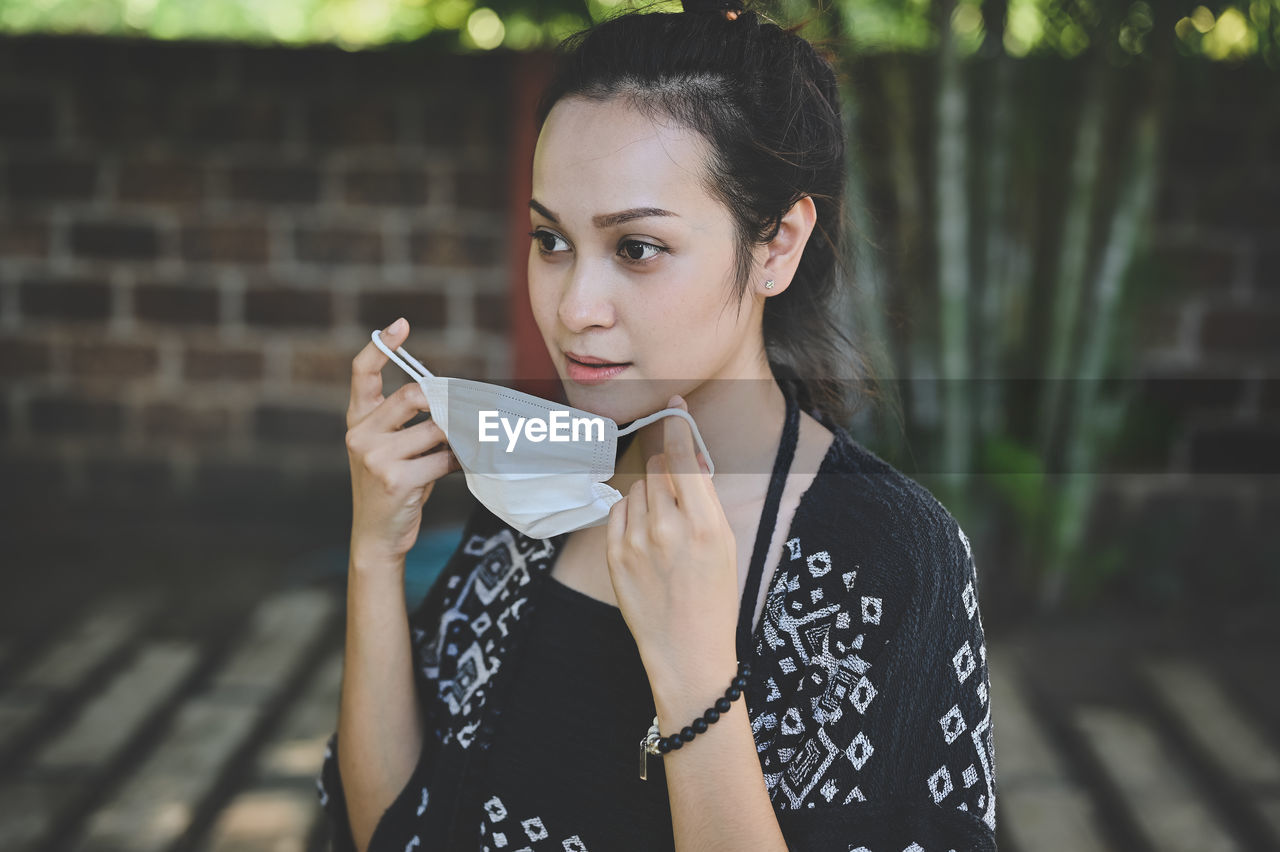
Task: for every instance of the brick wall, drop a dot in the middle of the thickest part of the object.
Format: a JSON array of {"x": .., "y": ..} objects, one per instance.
[
  {"x": 1216, "y": 234},
  {"x": 195, "y": 240},
  {"x": 1207, "y": 491}
]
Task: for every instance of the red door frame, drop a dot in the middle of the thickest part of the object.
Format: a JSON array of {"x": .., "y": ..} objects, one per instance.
[{"x": 532, "y": 368}]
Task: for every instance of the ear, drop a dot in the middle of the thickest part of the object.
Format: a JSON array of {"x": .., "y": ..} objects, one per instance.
[{"x": 787, "y": 247}]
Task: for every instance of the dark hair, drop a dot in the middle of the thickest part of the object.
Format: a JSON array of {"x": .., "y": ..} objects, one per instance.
[{"x": 767, "y": 102}]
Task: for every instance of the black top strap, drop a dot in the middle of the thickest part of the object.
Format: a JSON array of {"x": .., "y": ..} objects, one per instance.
[{"x": 768, "y": 520}]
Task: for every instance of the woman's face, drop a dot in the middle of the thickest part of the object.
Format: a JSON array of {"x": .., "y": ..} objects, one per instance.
[{"x": 651, "y": 292}]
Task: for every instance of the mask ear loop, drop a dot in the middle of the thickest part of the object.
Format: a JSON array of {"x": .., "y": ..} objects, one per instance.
[
  {"x": 679, "y": 412},
  {"x": 426, "y": 374}
]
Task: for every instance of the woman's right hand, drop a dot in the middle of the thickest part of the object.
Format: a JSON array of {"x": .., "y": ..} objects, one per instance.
[{"x": 393, "y": 469}]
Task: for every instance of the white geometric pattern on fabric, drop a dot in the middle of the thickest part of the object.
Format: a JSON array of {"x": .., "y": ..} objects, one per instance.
[
  {"x": 819, "y": 563},
  {"x": 940, "y": 783},
  {"x": 863, "y": 692},
  {"x": 871, "y": 610},
  {"x": 984, "y": 744},
  {"x": 981, "y": 736},
  {"x": 824, "y": 655},
  {"x": 952, "y": 724},
  {"x": 964, "y": 662},
  {"x": 807, "y": 767},
  {"x": 859, "y": 751},
  {"x": 534, "y": 828},
  {"x": 496, "y": 810},
  {"x": 503, "y": 567}
]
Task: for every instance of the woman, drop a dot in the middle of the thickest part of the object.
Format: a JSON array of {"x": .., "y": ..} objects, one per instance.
[{"x": 791, "y": 649}]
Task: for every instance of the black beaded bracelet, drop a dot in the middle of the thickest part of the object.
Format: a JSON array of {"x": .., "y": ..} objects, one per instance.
[{"x": 655, "y": 744}]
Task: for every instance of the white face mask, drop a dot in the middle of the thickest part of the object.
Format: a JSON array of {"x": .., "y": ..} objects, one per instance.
[{"x": 541, "y": 487}]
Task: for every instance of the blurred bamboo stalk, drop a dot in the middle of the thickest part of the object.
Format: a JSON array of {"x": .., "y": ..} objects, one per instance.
[
  {"x": 1000, "y": 264},
  {"x": 1073, "y": 253},
  {"x": 866, "y": 313},
  {"x": 905, "y": 176},
  {"x": 954, "y": 260},
  {"x": 1092, "y": 424}
]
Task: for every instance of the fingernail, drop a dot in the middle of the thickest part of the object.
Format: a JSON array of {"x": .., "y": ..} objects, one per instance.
[{"x": 395, "y": 327}]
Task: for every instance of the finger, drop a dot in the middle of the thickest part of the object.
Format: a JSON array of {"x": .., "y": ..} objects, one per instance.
[
  {"x": 428, "y": 468},
  {"x": 661, "y": 494},
  {"x": 678, "y": 447},
  {"x": 402, "y": 405},
  {"x": 415, "y": 440},
  {"x": 615, "y": 533},
  {"x": 445, "y": 450},
  {"x": 697, "y": 449},
  {"x": 366, "y": 371},
  {"x": 637, "y": 514}
]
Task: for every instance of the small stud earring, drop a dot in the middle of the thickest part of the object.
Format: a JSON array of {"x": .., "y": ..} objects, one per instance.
[{"x": 768, "y": 285}]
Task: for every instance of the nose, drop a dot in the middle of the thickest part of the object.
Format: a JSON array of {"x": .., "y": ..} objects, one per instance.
[{"x": 586, "y": 300}]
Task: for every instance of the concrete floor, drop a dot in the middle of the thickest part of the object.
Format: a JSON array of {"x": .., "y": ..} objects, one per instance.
[{"x": 170, "y": 686}]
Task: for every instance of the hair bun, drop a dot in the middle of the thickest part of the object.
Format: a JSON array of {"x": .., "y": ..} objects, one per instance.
[{"x": 713, "y": 6}]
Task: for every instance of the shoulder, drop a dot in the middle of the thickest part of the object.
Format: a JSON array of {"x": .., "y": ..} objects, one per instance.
[
  {"x": 870, "y": 553},
  {"x": 863, "y": 502}
]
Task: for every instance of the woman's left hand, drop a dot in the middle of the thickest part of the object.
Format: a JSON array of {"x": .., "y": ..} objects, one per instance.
[{"x": 673, "y": 561}]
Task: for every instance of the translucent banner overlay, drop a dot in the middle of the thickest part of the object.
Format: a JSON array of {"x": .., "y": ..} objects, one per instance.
[{"x": 1014, "y": 426}]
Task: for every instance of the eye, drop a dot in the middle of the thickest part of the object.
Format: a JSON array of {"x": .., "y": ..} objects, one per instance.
[
  {"x": 628, "y": 246},
  {"x": 542, "y": 236}
]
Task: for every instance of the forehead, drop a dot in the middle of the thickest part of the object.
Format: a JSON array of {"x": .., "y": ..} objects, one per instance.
[{"x": 600, "y": 156}]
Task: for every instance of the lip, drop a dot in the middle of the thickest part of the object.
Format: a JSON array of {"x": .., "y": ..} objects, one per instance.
[
  {"x": 590, "y": 359},
  {"x": 588, "y": 370}
]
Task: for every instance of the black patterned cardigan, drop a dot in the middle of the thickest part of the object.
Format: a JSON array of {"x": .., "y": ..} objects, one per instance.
[{"x": 869, "y": 696}]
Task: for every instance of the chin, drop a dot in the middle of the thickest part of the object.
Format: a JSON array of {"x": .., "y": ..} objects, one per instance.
[{"x": 622, "y": 400}]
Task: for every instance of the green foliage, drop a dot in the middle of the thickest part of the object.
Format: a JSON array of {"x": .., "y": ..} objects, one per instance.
[
  {"x": 351, "y": 24},
  {"x": 1220, "y": 31},
  {"x": 1016, "y": 474}
]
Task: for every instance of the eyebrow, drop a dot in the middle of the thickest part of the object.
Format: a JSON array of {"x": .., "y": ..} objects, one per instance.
[{"x": 608, "y": 220}]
